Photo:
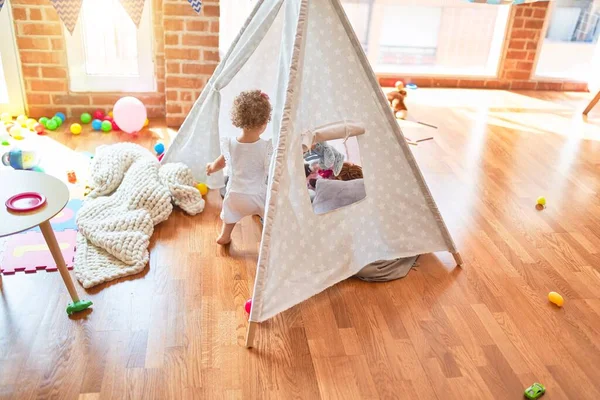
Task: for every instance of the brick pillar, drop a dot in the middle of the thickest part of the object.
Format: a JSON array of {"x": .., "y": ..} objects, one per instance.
[
  {"x": 191, "y": 54},
  {"x": 524, "y": 37}
]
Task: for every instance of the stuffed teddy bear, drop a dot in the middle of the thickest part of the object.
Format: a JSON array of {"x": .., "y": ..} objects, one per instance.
[{"x": 396, "y": 99}]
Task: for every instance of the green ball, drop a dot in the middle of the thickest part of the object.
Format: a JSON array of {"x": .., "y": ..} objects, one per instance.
[
  {"x": 86, "y": 118},
  {"x": 58, "y": 121},
  {"x": 52, "y": 125},
  {"x": 106, "y": 126},
  {"x": 43, "y": 121}
]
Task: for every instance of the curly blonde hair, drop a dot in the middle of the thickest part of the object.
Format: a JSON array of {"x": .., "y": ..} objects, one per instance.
[{"x": 251, "y": 109}]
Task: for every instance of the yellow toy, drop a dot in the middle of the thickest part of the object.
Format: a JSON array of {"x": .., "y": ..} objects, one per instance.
[
  {"x": 30, "y": 123},
  {"x": 75, "y": 129},
  {"x": 541, "y": 201},
  {"x": 146, "y": 122},
  {"x": 16, "y": 132},
  {"x": 556, "y": 298},
  {"x": 22, "y": 120},
  {"x": 5, "y": 117},
  {"x": 202, "y": 188}
]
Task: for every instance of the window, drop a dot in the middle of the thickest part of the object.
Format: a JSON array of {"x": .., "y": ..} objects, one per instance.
[
  {"x": 570, "y": 49},
  {"x": 434, "y": 37},
  {"x": 11, "y": 90},
  {"x": 108, "y": 53}
]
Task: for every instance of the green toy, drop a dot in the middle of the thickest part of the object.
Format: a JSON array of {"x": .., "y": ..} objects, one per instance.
[
  {"x": 58, "y": 120},
  {"x": 86, "y": 118},
  {"x": 106, "y": 126},
  {"x": 52, "y": 125},
  {"x": 535, "y": 391},
  {"x": 43, "y": 121},
  {"x": 78, "y": 306}
]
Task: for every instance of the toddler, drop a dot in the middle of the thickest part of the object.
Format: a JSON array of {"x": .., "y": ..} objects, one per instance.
[{"x": 247, "y": 158}]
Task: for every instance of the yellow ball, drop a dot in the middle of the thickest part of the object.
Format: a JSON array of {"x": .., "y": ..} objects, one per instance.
[
  {"x": 110, "y": 114},
  {"x": 22, "y": 120},
  {"x": 202, "y": 188},
  {"x": 146, "y": 122},
  {"x": 5, "y": 117},
  {"x": 556, "y": 298},
  {"x": 75, "y": 129},
  {"x": 30, "y": 123},
  {"x": 16, "y": 132},
  {"x": 541, "y": 201}
]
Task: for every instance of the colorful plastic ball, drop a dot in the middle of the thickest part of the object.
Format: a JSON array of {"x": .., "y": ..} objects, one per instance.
[
  {"x": 106, "y": 126},
  {"x": 16, "y": 132},
  {"x": 5, "y": 143},
  {"x": 202, "y": 188},
  {"x": 39, "y": 128},
  {"x": 22, "y": 120},
  {"x": 5, "y": 117},
  {"x": 107, "y": 118},
  {"x": 59, "y": 121},
  {"x": 146, "y": 122},
  {"x": 411, "y": 86},
  {"x": 541, "y": 201},
  {"x": 130, "y": 114},
  {"x": 98, "y": 114},
  {"x": 556, "y": 299},
  {"x": 115, "y": 127},
  {"x": 248, "y": 306},
  {"x": 159, "y": 148},
  {"x": 52, "y": 125},
  {"x": 110, "y": 114},
  {"x": 96, "y": 125},
  {"x": 75, "y": 129},
  {"x": 86, "y": 118},
  {"x": 31, "y": 123},
  {"x": 43, "y": 121},
  {"x": 62, "y": 117}
]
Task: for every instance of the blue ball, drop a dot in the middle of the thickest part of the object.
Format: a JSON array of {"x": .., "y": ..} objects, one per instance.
[
  {"x": 96, "y": 124},
  {"x": 61, "y": 116},
  {"x": 159, "y": 148}
]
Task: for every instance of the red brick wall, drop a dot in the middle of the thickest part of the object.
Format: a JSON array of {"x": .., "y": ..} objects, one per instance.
[
  {"x": 184, "y": 41},
  {"x": 517, "y": 65},
  {"x": 191, "y": 54}
]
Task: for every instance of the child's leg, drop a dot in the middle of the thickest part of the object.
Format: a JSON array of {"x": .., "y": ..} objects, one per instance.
[{"x": 225, "y": 236}]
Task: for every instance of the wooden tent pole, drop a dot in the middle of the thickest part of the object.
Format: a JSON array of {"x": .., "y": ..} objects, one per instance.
[
  {"x": 592, "y": 103},
  {"x": 250, "y": 334},
  {"x": 458, "y": 259}
]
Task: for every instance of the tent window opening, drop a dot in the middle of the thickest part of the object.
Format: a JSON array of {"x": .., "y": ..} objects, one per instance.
[{"x": 332, "y": 166}]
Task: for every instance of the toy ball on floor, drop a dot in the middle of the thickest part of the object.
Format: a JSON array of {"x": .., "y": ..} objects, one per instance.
[
  {"x": 541, "y": 201},
  {"x": 39, "y": 128},
  {"x": 110, "y": 114},
  {"x": 62, "y": 117},
  {"x": 107, "y": 118},
  {"x": 16, "y": 132},
  {"x": 43, "y": 121},
  {"x": 115, "y": 127},
  {"x": 159, "y": 148},
  {"x": 106, "y": 126},
  {"x": 130, "y": 114},
  {"x": 248, "y": 306},
  {"x": 59, "y": 121},
  {"x": 98, "y": 114},
  {"x": 146, "y": 122},
  {"x": 5, "y": 117},
  {"x": 22, "y": 120},
  {"x": 86, "y": 118},
  {"x": 52, "y": 125},
  {"x": 411, "y": 86},
  {"x": 202, "y": 188},
  {"x": 31, "y": 123},
  {"x": 556, "y": 299},
  {"x": 75, "y": 129},
  {"x": 96, "y": 125}
]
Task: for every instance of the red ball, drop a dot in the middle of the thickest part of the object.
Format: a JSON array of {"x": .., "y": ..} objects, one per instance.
[
  {"x": 248, "y": 306},
  {"x": 98, "y": 114},
  {"x": 114, "y": 125},
  {"x": 39, "y": 128},
  {"x": 107, "y": 118}
]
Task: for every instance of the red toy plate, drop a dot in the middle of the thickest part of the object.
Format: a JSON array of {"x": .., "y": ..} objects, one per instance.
[{"x": 24, "y": 202}]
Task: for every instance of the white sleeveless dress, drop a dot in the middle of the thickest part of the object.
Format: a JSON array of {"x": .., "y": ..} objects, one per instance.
[{"x": 247, "y": 167}]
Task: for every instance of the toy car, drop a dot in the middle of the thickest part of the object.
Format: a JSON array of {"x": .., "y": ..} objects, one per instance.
[{"x": 535, "y": 391}]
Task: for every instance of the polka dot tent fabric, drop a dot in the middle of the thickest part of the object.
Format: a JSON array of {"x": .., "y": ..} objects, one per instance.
[{"x": 318, "y": 61}]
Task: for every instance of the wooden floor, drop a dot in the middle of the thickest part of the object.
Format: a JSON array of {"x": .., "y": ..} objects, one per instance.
[{"x": 486, "y": 332}]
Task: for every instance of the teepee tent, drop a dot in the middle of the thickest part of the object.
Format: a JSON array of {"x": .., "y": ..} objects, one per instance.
[{"x": 305, "y": 55}]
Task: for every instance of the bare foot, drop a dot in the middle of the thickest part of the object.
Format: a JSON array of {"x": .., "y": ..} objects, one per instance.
[{"x": 223, "y": 240}]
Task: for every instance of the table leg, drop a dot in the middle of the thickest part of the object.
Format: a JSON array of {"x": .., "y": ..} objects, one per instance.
[{"x": 48, "y": 233}]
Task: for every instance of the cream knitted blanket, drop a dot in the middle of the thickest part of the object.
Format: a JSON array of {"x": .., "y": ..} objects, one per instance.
[{"x": 131, "y": 193}]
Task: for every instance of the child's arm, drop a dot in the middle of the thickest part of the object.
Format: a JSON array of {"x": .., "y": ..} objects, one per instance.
[{"x": 215, "y": 166}]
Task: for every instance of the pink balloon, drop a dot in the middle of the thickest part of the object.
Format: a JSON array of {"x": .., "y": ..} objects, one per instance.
[{"x": 130, "y": 114}]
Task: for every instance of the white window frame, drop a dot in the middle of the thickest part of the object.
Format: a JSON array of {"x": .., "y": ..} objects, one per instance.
[{"x": 144, "y": 81}]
